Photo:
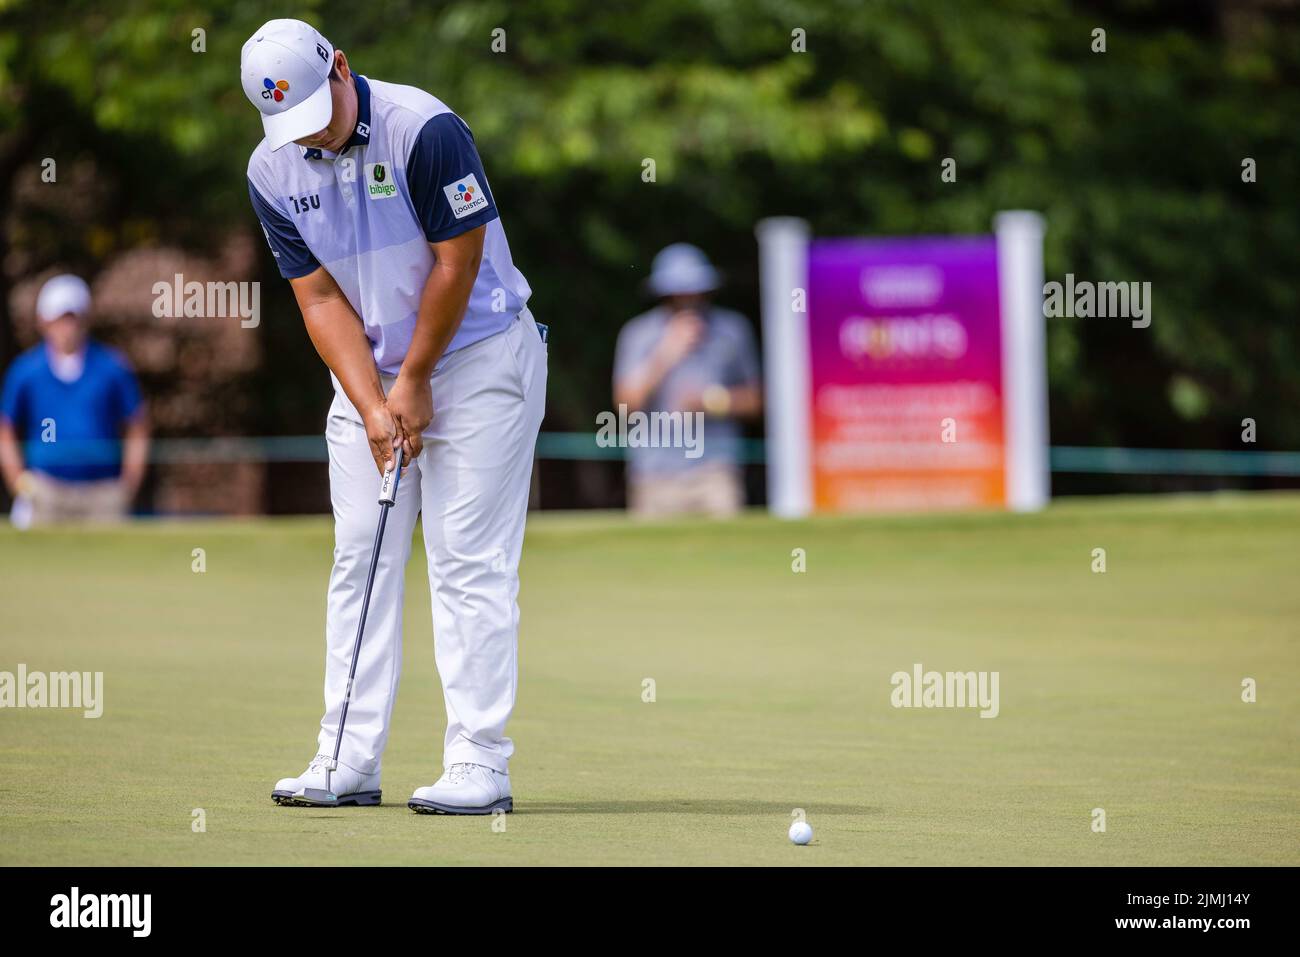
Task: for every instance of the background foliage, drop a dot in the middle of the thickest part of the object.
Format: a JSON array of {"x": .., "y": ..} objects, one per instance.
[{"x": 1134, "y": 156}]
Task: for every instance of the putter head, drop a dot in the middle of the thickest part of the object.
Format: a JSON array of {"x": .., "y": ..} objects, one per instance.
[{"x": 317, "y": 796}]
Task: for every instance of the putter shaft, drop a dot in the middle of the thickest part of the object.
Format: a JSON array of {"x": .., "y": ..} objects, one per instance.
[{"x": 387, "y": 499}]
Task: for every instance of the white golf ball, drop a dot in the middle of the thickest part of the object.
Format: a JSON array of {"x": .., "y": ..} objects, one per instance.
[{"x": 801, "y": 832}]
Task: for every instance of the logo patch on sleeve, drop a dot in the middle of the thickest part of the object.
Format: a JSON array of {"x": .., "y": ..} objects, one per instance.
[
  {"x": 465, "y": 196},
  {"x": 379, "y": 181}
]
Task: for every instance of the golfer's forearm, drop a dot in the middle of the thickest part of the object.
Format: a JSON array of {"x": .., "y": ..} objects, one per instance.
[
  {"x": 340, "y": 341},
  {"x": 11, "y": 457},
  {"x": 135, "y": 453},
  {"x": 442, "y": 307}
]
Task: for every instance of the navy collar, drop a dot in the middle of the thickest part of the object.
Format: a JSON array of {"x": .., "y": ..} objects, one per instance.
[{"x": 360, "y": 135}]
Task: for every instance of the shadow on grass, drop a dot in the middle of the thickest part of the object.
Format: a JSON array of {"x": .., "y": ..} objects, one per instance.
[{"x": 731, "y": 808}]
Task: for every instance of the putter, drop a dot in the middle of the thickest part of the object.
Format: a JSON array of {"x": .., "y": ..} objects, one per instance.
[{"x": 387, "y": 499}]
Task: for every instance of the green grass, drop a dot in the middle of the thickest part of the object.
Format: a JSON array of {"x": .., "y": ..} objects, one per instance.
[{"x": 1120, "y": 691}]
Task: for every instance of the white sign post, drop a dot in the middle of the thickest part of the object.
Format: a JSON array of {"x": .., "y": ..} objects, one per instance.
[
  {"x": 1024, "y": 358},
  {"x": 783, "y": 278}
]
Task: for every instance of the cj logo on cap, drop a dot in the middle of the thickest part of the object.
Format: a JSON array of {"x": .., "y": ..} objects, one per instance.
[
  {"x": 378, "y": 183},
  {"x": 274, "y": 90},
  {"x": 465, "y": 196}
]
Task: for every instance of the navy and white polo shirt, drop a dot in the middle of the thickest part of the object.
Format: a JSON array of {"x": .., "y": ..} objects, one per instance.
[{"x": 410, "y": 175}]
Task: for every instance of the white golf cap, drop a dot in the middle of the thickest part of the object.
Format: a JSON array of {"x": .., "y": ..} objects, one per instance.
[
  {"x": 62, "y": 295},
  {"x": 285, "y": 69},
  {"x": 681, "y": 269}
]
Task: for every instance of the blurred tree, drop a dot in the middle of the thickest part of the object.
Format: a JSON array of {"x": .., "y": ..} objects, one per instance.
[{"x": 1134, "y": 155}]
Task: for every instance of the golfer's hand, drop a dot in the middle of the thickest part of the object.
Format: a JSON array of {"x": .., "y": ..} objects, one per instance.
[
  {"x": 381, "y": 432},
  {"x": 411, "y": 403}
]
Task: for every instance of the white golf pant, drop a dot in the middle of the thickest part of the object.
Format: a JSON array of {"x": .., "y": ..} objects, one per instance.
[{"x": 471, "y": 483}]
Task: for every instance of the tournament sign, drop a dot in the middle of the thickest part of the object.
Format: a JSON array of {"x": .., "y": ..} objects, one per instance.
[
  {"x": 906, "y": 374},
  {"x": 905, "y": 382}
]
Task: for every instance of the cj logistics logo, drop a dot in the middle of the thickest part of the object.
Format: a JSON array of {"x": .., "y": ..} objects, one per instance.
[
  {"x": 274, "y": 89},
  {"x": 465, "y": 196}
]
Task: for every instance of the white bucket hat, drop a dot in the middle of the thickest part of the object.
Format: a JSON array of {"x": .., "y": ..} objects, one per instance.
[{"x": 682, "y": 269}]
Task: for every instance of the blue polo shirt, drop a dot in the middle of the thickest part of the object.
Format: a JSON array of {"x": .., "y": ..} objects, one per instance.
[{"x": 84, "y": 417}]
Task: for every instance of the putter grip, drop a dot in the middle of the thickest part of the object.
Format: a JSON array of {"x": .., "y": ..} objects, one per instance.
[{"x": 388, "y": 487}]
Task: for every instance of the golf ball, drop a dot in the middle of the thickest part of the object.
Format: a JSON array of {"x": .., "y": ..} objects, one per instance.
[{"x": 801, "y": 832}]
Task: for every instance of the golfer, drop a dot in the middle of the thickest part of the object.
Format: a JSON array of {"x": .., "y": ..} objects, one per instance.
[{"x": 376, "y": 206}]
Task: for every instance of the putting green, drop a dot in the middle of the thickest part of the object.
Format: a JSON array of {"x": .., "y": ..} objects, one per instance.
[{"x": 1120, "y": 691}]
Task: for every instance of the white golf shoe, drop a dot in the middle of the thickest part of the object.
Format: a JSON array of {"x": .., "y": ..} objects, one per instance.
[
  {"x": 348, "y": 787},
  {"x": 465, "y": 789}
]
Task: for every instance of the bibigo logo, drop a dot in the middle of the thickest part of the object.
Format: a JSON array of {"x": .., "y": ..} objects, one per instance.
[{"x": 378, "y": 183}]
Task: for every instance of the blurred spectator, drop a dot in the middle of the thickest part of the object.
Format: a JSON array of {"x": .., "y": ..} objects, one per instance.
[
  {"x": 74, "y": 439},
  {"x": 687, "y": 355}
]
